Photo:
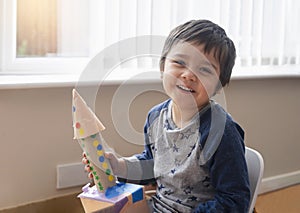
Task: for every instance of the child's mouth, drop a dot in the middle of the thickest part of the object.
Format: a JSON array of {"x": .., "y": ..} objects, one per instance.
[{"x": 185, "y": 88}]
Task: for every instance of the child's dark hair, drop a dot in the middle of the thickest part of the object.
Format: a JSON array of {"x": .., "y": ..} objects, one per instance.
[{"x": 212, "y": 36}]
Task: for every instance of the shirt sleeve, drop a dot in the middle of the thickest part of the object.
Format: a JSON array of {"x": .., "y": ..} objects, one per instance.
[
  {"x": 229, "y": 175},
  {"x": 140, "y": 168}
]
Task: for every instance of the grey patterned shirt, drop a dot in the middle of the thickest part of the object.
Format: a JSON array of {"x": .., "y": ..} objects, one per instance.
[
  {"x": 199, "y": 168},
  {"x": 176, "y": 164}
]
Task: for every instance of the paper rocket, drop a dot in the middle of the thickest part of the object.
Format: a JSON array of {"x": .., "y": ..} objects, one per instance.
[{"x": 87, "y": 128}]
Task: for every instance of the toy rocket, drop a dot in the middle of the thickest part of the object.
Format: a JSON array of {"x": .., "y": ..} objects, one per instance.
[{"x": 87, "y": 128}]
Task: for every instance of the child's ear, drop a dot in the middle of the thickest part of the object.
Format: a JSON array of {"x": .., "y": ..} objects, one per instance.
[
  {"x": 161, "y": 74},
  {"x": 217, "y": 90}
]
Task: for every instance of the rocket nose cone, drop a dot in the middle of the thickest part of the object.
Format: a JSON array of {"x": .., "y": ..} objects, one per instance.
[
  {"x": 85, "y": 122},
  {"x": 74, "y": 93}
]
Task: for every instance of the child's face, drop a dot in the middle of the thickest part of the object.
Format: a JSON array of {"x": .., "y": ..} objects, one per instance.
[{"x": 190, "y": 77}]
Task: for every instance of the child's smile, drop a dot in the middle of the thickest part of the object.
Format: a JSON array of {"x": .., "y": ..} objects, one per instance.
[{"x": 186, "y": 89}]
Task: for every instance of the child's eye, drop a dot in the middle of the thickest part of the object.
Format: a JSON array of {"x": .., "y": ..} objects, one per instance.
[
  {"x": 205, "y": 70},
  {"x": 179, "y": 62}
]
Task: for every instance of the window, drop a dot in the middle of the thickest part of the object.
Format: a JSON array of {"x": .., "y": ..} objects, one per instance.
[
  {"x": 62, "y": 36},
  {"x": 36, "y": 28},
  {"x": 50, "y": 28},
  {"x": 43, "y": 36}
]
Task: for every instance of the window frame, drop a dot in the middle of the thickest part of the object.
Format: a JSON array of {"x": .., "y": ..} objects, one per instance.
[{"x": 10, "y": 64}]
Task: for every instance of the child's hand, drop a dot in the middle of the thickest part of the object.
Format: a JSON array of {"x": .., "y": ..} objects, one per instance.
[
  {"x": 87, "y": 165},
  {"x": 118, "y": 165}
]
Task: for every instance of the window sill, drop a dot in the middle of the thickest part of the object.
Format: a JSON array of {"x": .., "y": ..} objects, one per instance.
[
  {"x": 19, "y": 81},
  {"x": 259, "y": 72}
]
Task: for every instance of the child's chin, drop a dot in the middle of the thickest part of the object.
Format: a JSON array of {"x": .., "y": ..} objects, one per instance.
[{"x": 187, "y": 102}]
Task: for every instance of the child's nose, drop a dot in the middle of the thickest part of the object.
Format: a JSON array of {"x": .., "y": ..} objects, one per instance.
[{"x": 188, "y": 75}]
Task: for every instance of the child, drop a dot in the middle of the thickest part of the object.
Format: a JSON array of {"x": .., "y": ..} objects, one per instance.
[{"x": 194, "y": 150}]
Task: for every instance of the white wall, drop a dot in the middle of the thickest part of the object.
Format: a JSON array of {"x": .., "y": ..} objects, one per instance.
[{"x": 36, "y": 132}]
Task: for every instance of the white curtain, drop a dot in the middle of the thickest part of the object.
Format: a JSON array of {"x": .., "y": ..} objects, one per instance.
[{"x": 265, "y": 32}]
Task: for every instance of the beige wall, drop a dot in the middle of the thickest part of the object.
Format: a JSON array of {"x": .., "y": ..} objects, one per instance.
[
  {"x": 268, "y": 109},
  {"x": 36, "y": 131}
]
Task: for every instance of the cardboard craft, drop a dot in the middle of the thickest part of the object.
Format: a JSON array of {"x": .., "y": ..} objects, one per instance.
[
  {"x": 106, "y": 195},
  {"x": 87, "y": 128},
  {"x": 123, "y": 198}
]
